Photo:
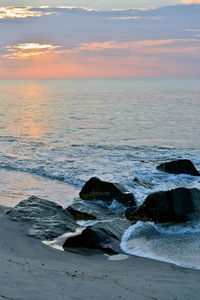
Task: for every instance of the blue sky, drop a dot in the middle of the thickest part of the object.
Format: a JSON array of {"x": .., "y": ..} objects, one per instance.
[{"x": 98, "y": 4}]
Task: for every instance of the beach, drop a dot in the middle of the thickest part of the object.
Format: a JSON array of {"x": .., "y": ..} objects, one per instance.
[{"x": 32, "y": 270}]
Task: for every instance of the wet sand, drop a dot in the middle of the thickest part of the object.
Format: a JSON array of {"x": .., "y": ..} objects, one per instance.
[{"x": 31, "y": 270}]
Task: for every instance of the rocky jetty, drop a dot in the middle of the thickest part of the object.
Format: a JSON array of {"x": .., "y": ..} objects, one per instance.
[
  {"x": 176, "y": 205},
  {"x": 105, "y": 236},
  {"x": 47, "y": 220},
  {"x": 44, "y": 219},
  {"x": 181, "y": 166},
  {"x": 106, "y": 191}
]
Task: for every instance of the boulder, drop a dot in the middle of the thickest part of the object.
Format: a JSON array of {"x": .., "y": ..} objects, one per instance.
[
  {"x": 80, "y": 212},
  {"x": 87, "y": 210},
  {"x": 96, "y": 189},
  {"x": 105, "y": 236},
  {"x": 130, "y": 210},
  {"x": 181, "y": 166},
  {"x": 176, "y": 205},
  {"x": 44, "y": 219},
  {"x": 143, "y": 182}
]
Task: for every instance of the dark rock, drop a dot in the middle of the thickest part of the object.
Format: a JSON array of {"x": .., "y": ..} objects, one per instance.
[
  {"x": 44, "y": 219},
  {"x": 105, "y": 236},
  {"x": 85, "y": 210},
  {"x": 78, "y": 211},
  {"x": 130, "y": 210},
  {"x": 177, "y": 205},
  {"x": 144, "y": 183},
  {"x": 106, "y": 191},
  {"x": 181, "y": 166}
]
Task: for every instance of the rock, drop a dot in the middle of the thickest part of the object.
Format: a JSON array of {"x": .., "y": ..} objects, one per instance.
[
  {"x": 105, "y": 236},
  {"x": 44, "y": 219},
  {"x": 177, "y": 205},
  {"x": 181, "y": 166},
  {"x": 106, "y": 191},
  {"x": 144, "y": 183},
  {"x": 130, "y": 210},
  {"x": 81, "y": 212},
  {"x": 85, "y": 210}
]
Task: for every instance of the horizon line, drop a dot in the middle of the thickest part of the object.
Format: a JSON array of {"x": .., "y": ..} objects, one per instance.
[{"x": 70, "y": 78}]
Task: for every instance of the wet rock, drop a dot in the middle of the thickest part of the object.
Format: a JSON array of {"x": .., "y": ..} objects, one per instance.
[
  {"x": 130, "y": 210},
  {"x": 105, "y": 236},
  {"x": 106, "y": 191},
  {"x": 176, "y": 205},
  {"x": 90, "y": 210},
  {"x": 81, "y": 212},
  {"x": 44, "y": 219},
  {"x": 181, "y": 166},
  {"x": 143, "y": 182}
]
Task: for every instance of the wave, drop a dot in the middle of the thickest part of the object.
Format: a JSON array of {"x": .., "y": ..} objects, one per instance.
[
  {"x": 40, "y": 171},
  {"x": 177, "y": 243}
]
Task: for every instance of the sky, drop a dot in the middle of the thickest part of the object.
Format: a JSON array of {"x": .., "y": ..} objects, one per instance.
[{"x": 99, "y": 39}]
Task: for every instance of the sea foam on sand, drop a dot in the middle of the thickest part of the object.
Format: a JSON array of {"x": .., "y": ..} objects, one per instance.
[{"x": 32, "y": 270}]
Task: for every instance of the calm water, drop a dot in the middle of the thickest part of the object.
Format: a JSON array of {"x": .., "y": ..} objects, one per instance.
[{"x": 56, "y": 134}]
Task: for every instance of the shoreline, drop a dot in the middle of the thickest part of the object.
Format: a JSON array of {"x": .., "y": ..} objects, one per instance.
[{"x": 32, "y": 270}]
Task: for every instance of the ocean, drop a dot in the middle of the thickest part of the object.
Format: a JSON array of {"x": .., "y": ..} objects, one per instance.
[{"x": 56, "y": 134}]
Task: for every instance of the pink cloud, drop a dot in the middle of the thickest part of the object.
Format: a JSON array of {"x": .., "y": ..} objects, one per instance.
[
  {"x": 132, "y": 45},
  {"x": 191, "y": 1}
]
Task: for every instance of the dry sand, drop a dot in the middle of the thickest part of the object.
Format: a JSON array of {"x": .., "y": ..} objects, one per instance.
[{"x": 33, "y": 271}]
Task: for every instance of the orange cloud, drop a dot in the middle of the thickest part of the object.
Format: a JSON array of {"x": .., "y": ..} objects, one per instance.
[
  {"x": 190, "y": 1},
  {"x": 130, "y": 45},
  {"x": 194, "y": 30},
  {"x": 75, "y": 7},
  {"x": 125, "y": 18},
  {"x": 28, "y": 50},
  {"x": 134, "y": 9},
  {"x": 21, "y": 12}
]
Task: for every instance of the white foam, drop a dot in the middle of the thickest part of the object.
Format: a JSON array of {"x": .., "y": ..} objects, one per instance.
[
  {"x": 117, "y": 257},
  {"x": 58, "y": 242},
  {"x": 174, "y": 244}
]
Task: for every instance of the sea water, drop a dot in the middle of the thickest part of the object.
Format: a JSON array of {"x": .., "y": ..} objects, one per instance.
[{"x": 56, "y": 134}]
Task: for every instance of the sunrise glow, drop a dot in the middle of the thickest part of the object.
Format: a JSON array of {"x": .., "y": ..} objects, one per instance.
[{"x": 76, "y": 42}]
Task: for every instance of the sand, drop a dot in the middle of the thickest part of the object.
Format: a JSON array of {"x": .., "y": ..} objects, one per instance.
[{"x": 32, "y": 270}]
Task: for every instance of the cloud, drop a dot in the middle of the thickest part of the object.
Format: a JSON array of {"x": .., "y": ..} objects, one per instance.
[
  {"x": 131, "y": 45},
  {"x": 194, "y": 30},
  {"x": 21, "y": 12},
  {"x": 76, "y": 8},
  {"x": 135, "y": 9},
  {"x": 12, "y": 12},
  {"x": 102, "y": 5},
  {"x": 28, "y": 50},
  {"x": 190, "y": 1},
  {"x": 134, "y": 18},
  {"x": 84, "y": 42},
  {"x": 125, "y": 18}
]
